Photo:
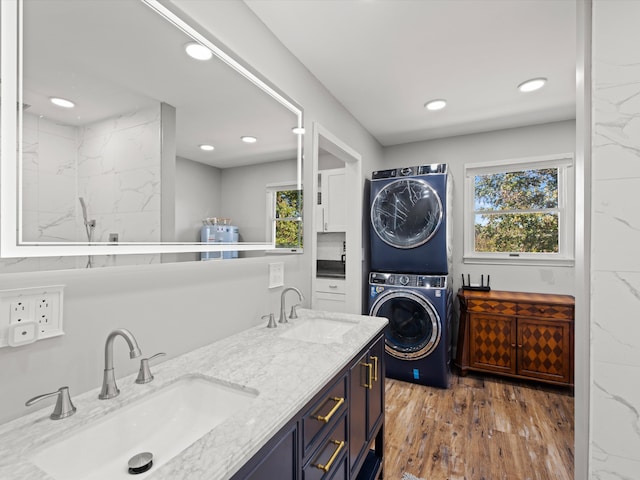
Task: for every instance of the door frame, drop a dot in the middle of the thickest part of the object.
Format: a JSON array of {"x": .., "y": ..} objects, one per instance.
[{"x": 327, "y": 141}]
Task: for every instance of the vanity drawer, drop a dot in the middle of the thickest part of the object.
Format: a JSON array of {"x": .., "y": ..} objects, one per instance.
[
  {"x": 564, "y": 312},
  {"x": 330, "y": 285},
  {"x": 323, "y": 415},
  {"x": 491, "y": 306},
  {"x": 328, "y": 459}
]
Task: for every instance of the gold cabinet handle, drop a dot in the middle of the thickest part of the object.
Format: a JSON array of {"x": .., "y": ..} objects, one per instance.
[
  {"x": 375, "y": 367},
  {"x": 369, "y": 383},
  {"x": 327, "y": 467},
  {"x": 325, "y": 418}
]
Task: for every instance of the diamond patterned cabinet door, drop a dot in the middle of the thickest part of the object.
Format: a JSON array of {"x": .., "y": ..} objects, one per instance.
[
  {"x": 493, "y": 343},
  {"x": 544, "y": 349}
]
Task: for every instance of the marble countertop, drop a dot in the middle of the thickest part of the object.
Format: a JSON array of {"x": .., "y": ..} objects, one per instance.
[{"x": 286, "y": 372}]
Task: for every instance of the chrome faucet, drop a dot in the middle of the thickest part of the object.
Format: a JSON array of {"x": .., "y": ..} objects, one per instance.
[
  {"x": 283, "y": 315},
  {"x": 109, "y": 387}
]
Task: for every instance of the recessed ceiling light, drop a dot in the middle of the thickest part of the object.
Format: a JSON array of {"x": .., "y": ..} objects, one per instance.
[
  {"x": 533, "y": 84},
  {"x": 198, "y": 51},
  {"x": 438, "y": 104},
  {"x": 248, "y": 139},
  {"x": 62, "y": 102},
  {"x": 298, "y": 130},
  {"x": 206, "y": 147}
]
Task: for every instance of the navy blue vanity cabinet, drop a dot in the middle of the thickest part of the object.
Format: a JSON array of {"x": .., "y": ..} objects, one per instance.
[
  {"x": 318, "y": 443},
  {"x": 366, "y": 412}
]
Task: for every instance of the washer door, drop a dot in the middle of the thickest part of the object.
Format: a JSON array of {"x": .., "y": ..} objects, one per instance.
[
  {"x": 406, "y": 213},
  {"x": 414, "y": 325}
]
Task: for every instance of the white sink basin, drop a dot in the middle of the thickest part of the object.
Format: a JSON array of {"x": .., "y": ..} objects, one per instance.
[
  {"x": 319, "y": 330},
  {"x": 163, "y": 423}
]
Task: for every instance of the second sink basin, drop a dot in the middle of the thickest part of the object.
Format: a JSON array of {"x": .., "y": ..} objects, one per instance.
[
  {"x": 164, "y": 423},
  {"x": 319, "y": 330}
]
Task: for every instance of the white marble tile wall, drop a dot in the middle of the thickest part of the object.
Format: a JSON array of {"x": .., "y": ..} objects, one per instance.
[
  {"x": 119, "y": 175},
  {"x": 114, "y": 164},
  {"x": 615, "y": 300},
  {"x": 49, "y": 192}
]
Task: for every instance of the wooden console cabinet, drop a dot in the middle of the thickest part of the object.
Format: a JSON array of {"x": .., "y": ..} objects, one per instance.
[{"x": 517, "y": 334}]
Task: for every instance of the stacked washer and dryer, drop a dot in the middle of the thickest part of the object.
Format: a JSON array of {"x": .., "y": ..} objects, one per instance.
[{"x": 409, "y": 282}]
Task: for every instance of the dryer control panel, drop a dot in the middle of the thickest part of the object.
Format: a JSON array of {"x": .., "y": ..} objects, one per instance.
[{"x": 409, "y": 171}]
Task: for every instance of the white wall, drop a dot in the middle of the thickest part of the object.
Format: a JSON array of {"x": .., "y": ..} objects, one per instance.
[
  {"x": 557, "y": 137},
  {"x": 175, "y": 307},
  {"x": 244, "y": 195},
  {"x": 198, "y": 196},
  {"x": 615, "y": 237}
]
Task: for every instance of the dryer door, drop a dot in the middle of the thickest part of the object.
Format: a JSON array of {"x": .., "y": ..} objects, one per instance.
[
  {"x": 414, "y": 328},
  {"x": 406, "y": 213}
]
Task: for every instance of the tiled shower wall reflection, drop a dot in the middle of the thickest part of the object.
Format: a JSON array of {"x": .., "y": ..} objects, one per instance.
[
  {"x": 615, "y": 329},
  {"x": 113, "y": 164}
]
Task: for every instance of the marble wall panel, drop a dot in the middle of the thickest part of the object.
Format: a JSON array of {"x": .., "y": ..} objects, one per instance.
[{"x": 615, "y": 258}]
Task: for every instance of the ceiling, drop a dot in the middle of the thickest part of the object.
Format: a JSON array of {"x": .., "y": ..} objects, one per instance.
[
  {"x": 116, "y": 58},
  {"x": 384, "y": 59}
]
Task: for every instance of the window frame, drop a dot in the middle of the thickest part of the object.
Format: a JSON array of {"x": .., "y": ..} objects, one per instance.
[
  {"x": 566, "y": 211},
  {"x": 271, "y": 191}
]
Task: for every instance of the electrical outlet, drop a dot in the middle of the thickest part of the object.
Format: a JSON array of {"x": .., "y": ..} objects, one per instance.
[
  {"x": 19, "y": 311},
  {"x": 38, "y": 308},
  {"x": 44, "y": 313}
]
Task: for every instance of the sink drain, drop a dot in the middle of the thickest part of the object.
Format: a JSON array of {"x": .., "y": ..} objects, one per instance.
[{"x": 140, "y": 463}]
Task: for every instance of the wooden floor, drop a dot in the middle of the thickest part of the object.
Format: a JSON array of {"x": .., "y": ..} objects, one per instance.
[{"x": 482, "y": 428}]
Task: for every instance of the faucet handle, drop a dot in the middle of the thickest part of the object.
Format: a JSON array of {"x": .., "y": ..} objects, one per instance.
[
  {"x": 272, "y": 320},
  {"x": 144, "y": 374},
  {"x": 64, "y": 407},
  {"x": 294, "y": 312}
]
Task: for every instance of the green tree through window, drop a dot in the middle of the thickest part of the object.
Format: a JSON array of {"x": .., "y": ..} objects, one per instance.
[
  {"x": 517, "y": 211},
  {"x": 288, "y": 219}
]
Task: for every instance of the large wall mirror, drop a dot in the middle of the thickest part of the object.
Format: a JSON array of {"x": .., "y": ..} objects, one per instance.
[{"x": 128, "y": 144}]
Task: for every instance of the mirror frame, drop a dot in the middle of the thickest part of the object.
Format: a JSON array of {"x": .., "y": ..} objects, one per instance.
[{"x": 11, "y": 245}]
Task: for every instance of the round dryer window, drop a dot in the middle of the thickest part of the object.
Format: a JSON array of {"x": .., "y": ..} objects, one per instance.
[
  {"x": 414, "y": 328},
  {"x": 406, "y": 213}
]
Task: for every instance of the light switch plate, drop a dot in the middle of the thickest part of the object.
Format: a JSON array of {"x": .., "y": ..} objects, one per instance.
[{"x": 276, "y": 274}]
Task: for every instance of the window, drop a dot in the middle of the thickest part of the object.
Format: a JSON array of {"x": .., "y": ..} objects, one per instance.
[
  {"x": 284, "y": 202},
  {"x": 517, "y": 211}
]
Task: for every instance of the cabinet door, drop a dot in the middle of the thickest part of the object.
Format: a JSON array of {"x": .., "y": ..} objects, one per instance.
[
  {"x": 336, "y": 209},
  {"x": 544, "y": 349},
  {"x": 493, "y": 343},
  {"x": 376, "y": 392},
  {"x": 333, "y": 194},
  {"x": 358, "y": 378},
  {"x": 277, "y": 460}
]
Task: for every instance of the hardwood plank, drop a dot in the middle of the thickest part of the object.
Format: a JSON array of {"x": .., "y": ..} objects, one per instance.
[{"x": 482, "y": 428}]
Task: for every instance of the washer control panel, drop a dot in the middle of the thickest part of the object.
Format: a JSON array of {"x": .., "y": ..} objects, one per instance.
[{"x": 408, "y": 280}]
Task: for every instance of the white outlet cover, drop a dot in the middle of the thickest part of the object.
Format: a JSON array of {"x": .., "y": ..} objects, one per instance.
[{"x": 22, "y": 334}]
